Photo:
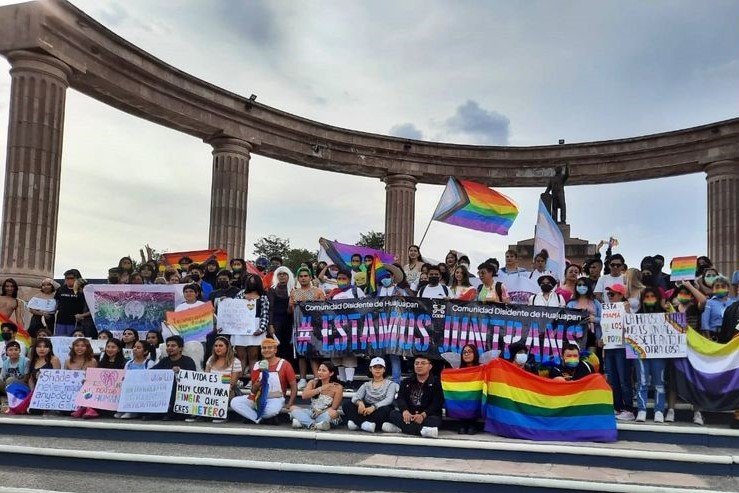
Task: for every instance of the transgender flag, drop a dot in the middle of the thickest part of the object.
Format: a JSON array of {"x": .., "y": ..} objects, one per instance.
[{"x": 475, "y": 206}]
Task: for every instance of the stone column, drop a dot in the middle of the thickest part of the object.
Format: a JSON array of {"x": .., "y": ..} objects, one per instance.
[
  {"x": 228, "y": 195},
  {"x": 33, "y": 166},
  {"x": 400, "y": 208},
  {"x": 723, "y": 215}
]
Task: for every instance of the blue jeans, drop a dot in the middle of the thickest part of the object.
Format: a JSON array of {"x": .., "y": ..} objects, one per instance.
[
  {"x": 64, "y": 329},
  {"x": 307, "y": 420},
  {"x": 618, "y": 374},
  {"x": 651, "y": 372},
  {"x": 395, "y": 365}
]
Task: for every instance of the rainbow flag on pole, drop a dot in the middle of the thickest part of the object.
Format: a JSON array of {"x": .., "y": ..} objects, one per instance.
[
  {"x": 518, "y": 404},
  {"x": 193, "y": 324},
  {"x": 475, "y": 206}
]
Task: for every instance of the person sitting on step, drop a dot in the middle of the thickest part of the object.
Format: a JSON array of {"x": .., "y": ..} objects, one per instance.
[{"x": 371, "y": 404}]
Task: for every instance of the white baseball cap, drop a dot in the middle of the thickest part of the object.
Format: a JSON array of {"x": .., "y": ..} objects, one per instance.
[{"x": 377, "y": 361}]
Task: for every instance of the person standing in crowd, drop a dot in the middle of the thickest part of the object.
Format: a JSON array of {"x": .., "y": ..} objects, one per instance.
[
  {"x": 371, "y": 404},
  {"x": 346, "y": 364},
  {"x": 191, "y": 292},
  {"x": 594, "y": 269},
  {"x": 389, "y": 288},
  {"x": 434, "y": 289},
  {"x": 129, "y": 337},
  {"x": 10, "y": 309},
  {"x": 196, "y": 275},
  {"x": 663, "y": 278},
  {"x": 567, "y": 289},
  {"x": 125, "y": 264},
  {"x": 470, "y": 358},
  {"x": 238, "y": 270},
  {"x": 547, "y": 296},
  {"x": 273, "y": 375},
  {"x": 651, "y": 372},
  {"x": 540, "y": 265},
  {"x": 281, "y": 320},
  {"x": 634, "y": 287},
  {"x": 224, "y": 362},
  {"x": 70, "y": 302},
  {"x": 519, "y": 355},
  {"x": 735, "y": 284},
  {"x": 491, "y": 291},
  {"x": 617, "y": 264},
  {"x": 210, "y": 272},
  {"x": 413, "y": 268},
  {"x": 148, "y": 272},
  {"x": 713, "y": 313},
  {"x": 304, "y": 291},
  {"x": 419, "y": 403},
  {"x": 464, "y": 261},
  {"x": 451, "y": 259},
  {"x": 511, "y": 267},
  {"x": 42, "y": 307},
  {"x": 223, "y": 288},
  {"x": 618, "y": 368},
  {"x": 584, "y": 299},
  {"x": 136, "y": 278},
  {"x": 174, "y": 361},
  {"x": 705, "y": 282},
  {"x": 461, "y": 288},
  {"x": 326, "y": 395},
  {"x": 327, "y": 278},
  {"x": 9, "y": 332},
  {"x": 247, "y": 346}
]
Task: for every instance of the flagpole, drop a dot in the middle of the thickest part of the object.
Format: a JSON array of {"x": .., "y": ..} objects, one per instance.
[{"x": 425, "y": 232}]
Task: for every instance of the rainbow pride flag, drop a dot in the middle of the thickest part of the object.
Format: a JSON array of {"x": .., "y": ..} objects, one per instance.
[
  {"x": 709, "y": 377},
  {"x": 193, "y": 324},
  {"x": 518, "y": 404},
  {"x": 683, "y": 268},
  {"x": 341, "y": 253},
  {"x": 475, "y": 206},
  {"x": 197, "y": 256},
  {"x": 22, "y": 336},
  {"x": 377, "y": 273}
]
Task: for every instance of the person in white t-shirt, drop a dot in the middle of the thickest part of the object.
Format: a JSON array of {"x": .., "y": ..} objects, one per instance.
[
  {"x": 346, "y": 364},
  {"x": 434, "y": 289},
  {"x": 190, "y": 292},
  {"x": 547, "y": 297},
  {"x": 617, "y": 265},
  {"x": 511, "y": 267}
]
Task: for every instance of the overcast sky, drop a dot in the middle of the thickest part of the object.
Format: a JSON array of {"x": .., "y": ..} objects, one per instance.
[{"x": 502, "y": 73}]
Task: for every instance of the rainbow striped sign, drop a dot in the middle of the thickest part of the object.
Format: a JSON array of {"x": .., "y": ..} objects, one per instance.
[
  {"x": 193, "y": 324},
  {"x": 683, "y": 268}
]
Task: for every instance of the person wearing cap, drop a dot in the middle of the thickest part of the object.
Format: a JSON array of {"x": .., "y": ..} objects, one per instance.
[
  {"x": 618, "y": 368},
  {"x": 304, "y": 291},
  {"x": 617, "y": 264},
  {"x": 273, "y": 375},
  {"x": 547, "y": 296},
  {"x": 346, "y": 364},
  {"x": 419, "y": 403},
  {"x": 371, "y": 405}
]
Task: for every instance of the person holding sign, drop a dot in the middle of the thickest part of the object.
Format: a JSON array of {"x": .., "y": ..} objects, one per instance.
[
  {"x": 618, "y": 368},
  {"x": 270, "y": 379},
  {"x": 224, "y": 362},
  {"x": 174, "y": 361},
  {"x": 325, "y": 394},
  {"x": 651, "y": 372},
  {"x": 247, "y": 346},
  {"x": 42, "y": 358},
  {"x": 144, "y": 355},
  {"x": 191, "y": 292}
]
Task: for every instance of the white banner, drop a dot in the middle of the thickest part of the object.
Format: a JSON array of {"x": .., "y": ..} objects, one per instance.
[
  {"x": 237, "y": 316},
  {"x": 56, "y": 390},
  {"x": 146, "y": 391},
  {"x": 655, "y": 335},
  {"x": 612, "y": 325},
  {"x": 202, "y": 394}
]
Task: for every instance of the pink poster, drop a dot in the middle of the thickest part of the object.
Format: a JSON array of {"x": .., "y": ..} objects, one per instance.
[{"x": 101, "y": 389}]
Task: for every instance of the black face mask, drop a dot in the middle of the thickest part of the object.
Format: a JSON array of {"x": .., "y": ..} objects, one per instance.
[
  {"x": 546, "y": 287},
  {"x": 6, "y": 336},
  {"x": 222, "y": 284},
  {"x": 195, "y": 277},
  {"x": 434, "y": 280}
]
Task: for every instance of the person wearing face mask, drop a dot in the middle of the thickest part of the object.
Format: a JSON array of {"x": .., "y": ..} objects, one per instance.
[
  {"x": 393, "y": 284},
  {"x": 583, "y": 299},
  {"x": 238, "y": 270},
  {"x": 347, "y": 364},
  {"x": 304, "y": 291},
  {"x": 573, "y": 366},
  {"x": 705, "y": 282},
  {"x": 518, "y": 354},
  {"x": 211, "y": 271},
  {"x": 434, "y": 289},
  {"x": 196, "y": 274},
  {"x": 327, "y": 278},
  {"x": 713, "y": 313},
  {"x": 651, "y": 372},
  {"x": 223, "y": 288},
  {"x": 547, "y": 297},
  {"x": 9, "y": 331}
]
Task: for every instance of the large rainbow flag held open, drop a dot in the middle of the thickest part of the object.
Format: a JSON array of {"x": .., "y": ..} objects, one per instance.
[
  {"x": 709, "y": 376},
  {"x": 518, "y": 404},
  {"x": 475, "y": 206}
]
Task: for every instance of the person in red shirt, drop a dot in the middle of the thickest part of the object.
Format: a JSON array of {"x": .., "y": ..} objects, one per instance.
[{"x": 273, "y": 375}]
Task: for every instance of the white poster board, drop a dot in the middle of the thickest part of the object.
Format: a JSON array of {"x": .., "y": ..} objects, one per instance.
[
  {"x": 202, "y": 394},
  {"x": 56, "y": 390},
  {"x": 612, "y": 325},
  {"x": 146, "y": 391}
]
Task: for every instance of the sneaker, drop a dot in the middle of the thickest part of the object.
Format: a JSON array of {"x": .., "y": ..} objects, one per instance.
[
  {"x": 218, "y": 421},
  {"x": 90, "y": 413},
  {"x": 352, "y": 425},
  {"x": 322, "y": 426},
  {"x": 118, "y": 415},
  {"x": 368, "y": 426},
  {"x": 430, "y": 432},
  {"x": 190, "y": 419},
  {"x": 670, "y": 416},
  {"x": 77, "y": 413},
  {"x": 390, "y": 428},
  {"x": 641, "y": 416},
  {"x": 297, "y": 424},
  {"x": 625, "y": 416},
  {"x": 659, "y": 417},
  {"x": 698, "y": 418},
  {"x": 302, "y": 383},
  {"x": 128, "y": 415}
]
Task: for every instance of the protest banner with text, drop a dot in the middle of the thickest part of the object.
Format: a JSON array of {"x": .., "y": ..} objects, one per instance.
[
  {"x": 655, "y": 335},
  {"x": 237, "y": 317},
  {"x": 612, "y": 325},
  {"x": 202, "y": 394},
  {"x": 56, "y": 389},
  {"x": 411, "y": 326},
  {"x": 146, "y": 391},
  {"x": 141, "y": 307},
  {"x": 101, "y": 389}
]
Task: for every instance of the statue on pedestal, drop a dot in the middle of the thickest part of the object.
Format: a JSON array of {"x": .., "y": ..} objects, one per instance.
[{"x": 554, "y": 196}]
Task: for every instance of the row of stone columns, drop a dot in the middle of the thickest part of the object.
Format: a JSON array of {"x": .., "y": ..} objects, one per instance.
[{"x": 33, "y": 168}]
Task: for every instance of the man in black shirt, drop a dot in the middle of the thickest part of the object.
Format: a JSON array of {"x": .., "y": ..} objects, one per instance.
[
  {"x": 70, "y": 305},
  {"x": 174, "y": 361},
  {"x": 419, "y": 403}
]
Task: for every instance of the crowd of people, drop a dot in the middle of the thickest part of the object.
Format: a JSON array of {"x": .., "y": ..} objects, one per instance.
[{"x": 385, "y": 401}]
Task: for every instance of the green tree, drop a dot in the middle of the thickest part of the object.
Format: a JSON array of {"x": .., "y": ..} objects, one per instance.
[
  {"x": 372, "y": 239},
  {"x": 272, "y": 246},
  {"x": 297, "y": 256}
]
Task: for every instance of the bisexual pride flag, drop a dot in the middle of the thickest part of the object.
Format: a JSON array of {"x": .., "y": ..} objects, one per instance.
[{"x": 475, "y": 206}]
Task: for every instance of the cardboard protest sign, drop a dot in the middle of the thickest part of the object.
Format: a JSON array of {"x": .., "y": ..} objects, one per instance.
[
  {"x": 683, "y": 268},
  {"x": 202, "y": 394},
  {"x": 612, "y": 325},
  {"x": 193, "y": 324},
  {"x": 140, "y": 307},
  {"x": 146, "y": 391},
  {"x": 655, "y": 335},
  {"x": 56, "y": 390},
  {"x": 236, "y": 316},
  {"x": 101, "y": 389}
]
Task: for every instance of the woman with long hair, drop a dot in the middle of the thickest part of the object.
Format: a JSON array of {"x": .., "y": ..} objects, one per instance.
[
  {"x": 461, "y": 288},
  {"x": 42, "y": 307},
  {"x": 280, "y": 316},
  {"x": 325, "y": 394},
  {"x": 584, "y": 299},
  {"x": 143, "y": 358},
  {"x": 42, "y": 358},
  {"x": 634, "y": 287},
  {"x": 651, "y": 372},
  {"x": 470, "y": 358},
  {"x": 567, "y": 288},
  {"x": 413, "y": 268},
  {"x": 247, "y": 346},
  {"x": 129, "y": 337},
  {"x": 81, "y": 356},
  {"x": 224, "y": 362}
]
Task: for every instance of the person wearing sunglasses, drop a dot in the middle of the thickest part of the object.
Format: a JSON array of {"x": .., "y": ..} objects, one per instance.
[{"x": 616, "y": 276}]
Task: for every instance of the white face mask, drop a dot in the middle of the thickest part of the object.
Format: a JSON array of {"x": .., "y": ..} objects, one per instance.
[{"x": 521, "y": 358}]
